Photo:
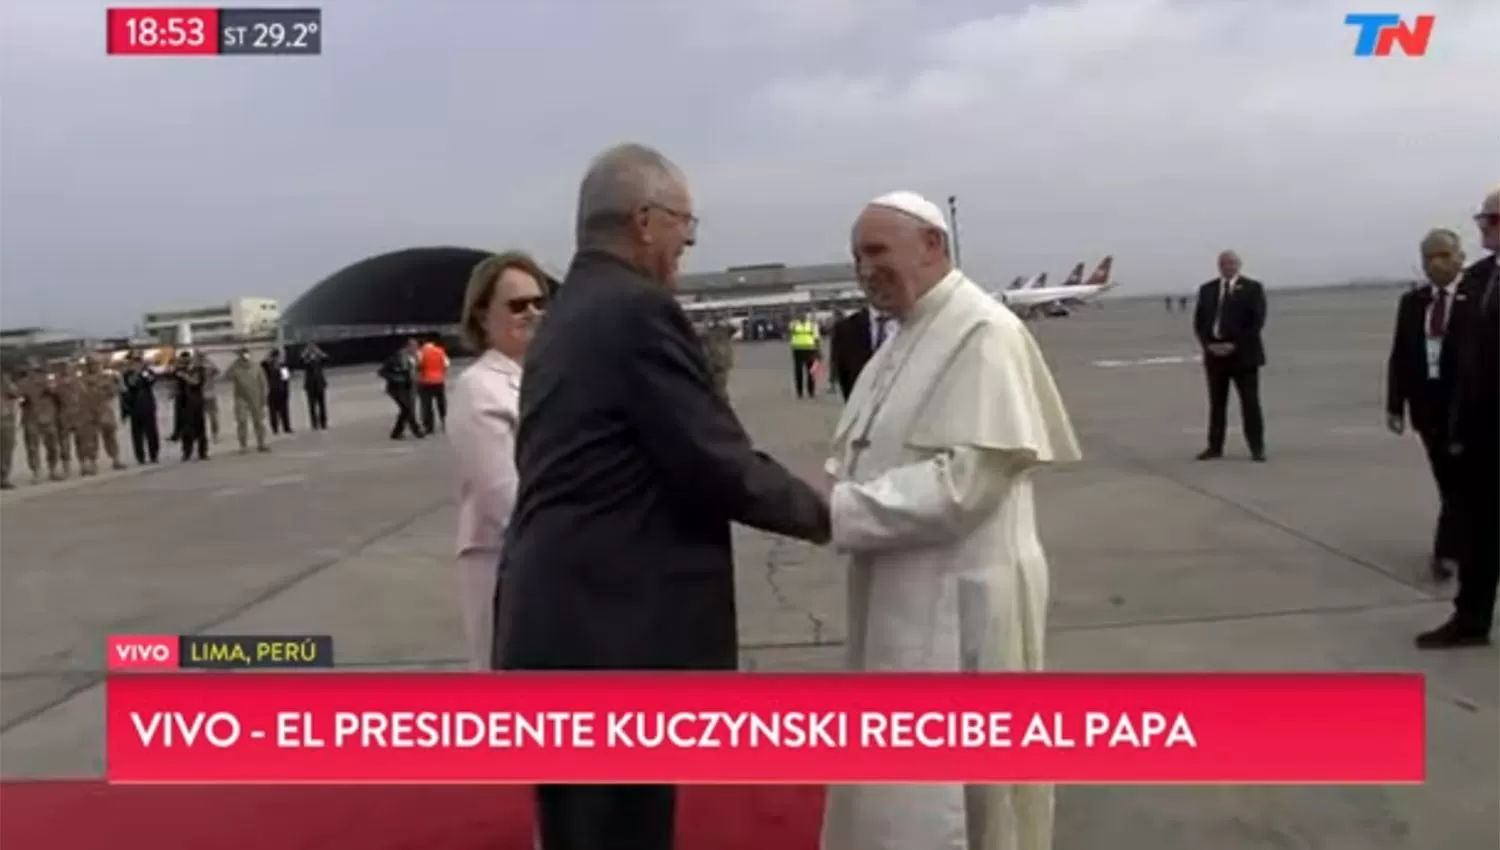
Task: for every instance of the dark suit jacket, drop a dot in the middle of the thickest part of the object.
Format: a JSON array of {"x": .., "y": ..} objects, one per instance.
[
  {"x": 1408, "y": 390},
  {"x": 314, "y": 373},
  {"x": 1244, "y": 317},
  {"x": 850, "y": 349},
  {"x": 631, "y": 469},
  {"x": 1475, "y": 336},
  {"x": 275, "y": 384}
]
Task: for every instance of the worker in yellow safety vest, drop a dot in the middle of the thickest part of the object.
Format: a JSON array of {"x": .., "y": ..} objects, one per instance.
[{"x": 806, "y": 352}]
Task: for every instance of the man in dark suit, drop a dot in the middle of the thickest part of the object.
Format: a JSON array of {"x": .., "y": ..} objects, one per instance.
[
  {"x": 315, "y": 385},
  {"x": 631, "y": 468},
  {"x": 1230, "y": 315},
  {"x": 1475, "y": 434},
  {"x": 1419, "y": 380},
  {"x": 854, "y": 340},
  {"x": 399, "y": 371}
]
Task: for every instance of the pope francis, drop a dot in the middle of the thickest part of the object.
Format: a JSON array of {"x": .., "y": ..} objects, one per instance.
[{"x": 931, "y": 498}]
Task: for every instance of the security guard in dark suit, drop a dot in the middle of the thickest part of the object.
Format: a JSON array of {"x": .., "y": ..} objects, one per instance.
[
  {"x": 1231, "y": 313},
  {"x": 1475, "y": 429},
  {"x": 1419, "y": 381}
]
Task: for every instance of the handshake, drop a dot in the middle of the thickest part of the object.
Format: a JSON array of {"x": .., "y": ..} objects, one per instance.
[
  {"x": 823, "y": 486},
  {"x": 782, "y": 502}
]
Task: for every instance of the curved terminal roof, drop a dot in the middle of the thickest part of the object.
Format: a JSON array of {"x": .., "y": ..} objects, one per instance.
[{"x": 416, "y": 289}]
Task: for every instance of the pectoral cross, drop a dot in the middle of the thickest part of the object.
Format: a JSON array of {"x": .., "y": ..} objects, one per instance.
[
  {"x": 856, "y": 448},
  {"x": 895, "y": 356},
  {"x": 885, "y": 379}
]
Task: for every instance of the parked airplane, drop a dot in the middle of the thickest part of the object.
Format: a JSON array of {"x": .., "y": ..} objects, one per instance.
[
  {"x": 1027, "y": 283},
  {"x": 1075, "y": 277},
  {"x": 1035, "y": 301}
]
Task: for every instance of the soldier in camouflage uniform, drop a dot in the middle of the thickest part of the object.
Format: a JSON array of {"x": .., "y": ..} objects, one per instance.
[
  {"x": 39, "y": 421},
  {"x": 718, "y": 346},
  {"x": 210, "y": 394},
  {"x": 250, "y": 394},
  {"x": 67, "y": 388},
  {"x": 9, "y": 398},
  {"x": 98, "y": 401}
]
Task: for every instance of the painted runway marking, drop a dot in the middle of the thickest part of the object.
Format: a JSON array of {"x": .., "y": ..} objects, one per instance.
[
  {"x": 1334, "y": 431},
  {"x": 277, "y": 481},
  {"x": 1150, "y": 361},
  {"x": 1358, "y": 430},
  {"x": 349, "y": 452}
]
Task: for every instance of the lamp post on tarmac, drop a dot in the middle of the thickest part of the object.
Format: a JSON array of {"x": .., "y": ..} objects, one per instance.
[{"x": 953, "y": 223}]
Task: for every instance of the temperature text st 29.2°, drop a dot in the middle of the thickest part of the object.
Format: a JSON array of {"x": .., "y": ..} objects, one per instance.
[{"x": 271, "y": 36}]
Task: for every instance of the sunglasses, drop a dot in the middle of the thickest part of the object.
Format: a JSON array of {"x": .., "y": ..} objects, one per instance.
[
  {"x": 1488, "y": 219},
  {"x": 517, "y": 306}
]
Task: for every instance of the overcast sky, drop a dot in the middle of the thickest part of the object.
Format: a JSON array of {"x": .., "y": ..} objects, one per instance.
[{"x": 1156, "y": 131}]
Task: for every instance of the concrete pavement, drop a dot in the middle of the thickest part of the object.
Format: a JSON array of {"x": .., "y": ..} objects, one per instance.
[{"x": 1313, "y": 561}]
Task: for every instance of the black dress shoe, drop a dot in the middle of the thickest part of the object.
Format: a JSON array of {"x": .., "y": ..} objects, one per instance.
[
  {"x": 1210, "y": 454},
  {"x": 1258, "y": 456},
  {"x": 1452, "y": 635}
]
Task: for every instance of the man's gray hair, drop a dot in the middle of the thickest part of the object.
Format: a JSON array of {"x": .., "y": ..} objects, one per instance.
[
  {"x": 618, "y": 182},
  {"x": 1443, "y": 236}
]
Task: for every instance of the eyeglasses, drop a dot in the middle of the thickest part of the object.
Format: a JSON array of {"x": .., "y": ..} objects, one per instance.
[
  {"x": 686, "y": 217},
  {"x": 517, "y": 306},
  {"x": 1488, "y": 219}
]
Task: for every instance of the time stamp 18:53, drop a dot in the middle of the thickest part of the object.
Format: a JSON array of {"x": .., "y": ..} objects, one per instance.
[{"x": 214, "y": 32}]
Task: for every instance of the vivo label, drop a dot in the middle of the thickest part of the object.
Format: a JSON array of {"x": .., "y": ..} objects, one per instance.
[{"x": 143, "y": 652}]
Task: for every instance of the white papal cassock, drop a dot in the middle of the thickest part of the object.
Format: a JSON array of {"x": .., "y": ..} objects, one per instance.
[{"x": 933, "y": 456}]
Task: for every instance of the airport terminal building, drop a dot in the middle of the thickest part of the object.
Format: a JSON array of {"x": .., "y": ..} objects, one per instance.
[{"x": 239, "y": 318}]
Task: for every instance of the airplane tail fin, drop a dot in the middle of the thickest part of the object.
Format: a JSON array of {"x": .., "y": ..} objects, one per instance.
[
  {"x": 1038, "y": 282},
  {"x": 1075, "y": 277},
  {"x": 1100, "y": 276},
  {"x": 1017, "y": 283}
]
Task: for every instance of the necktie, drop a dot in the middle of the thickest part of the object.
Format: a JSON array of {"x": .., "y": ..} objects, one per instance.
[
  {"x": 882, "y": 328},
  {"x": 1219, "y": 308},
  {"x": 1437, "y": 317}
]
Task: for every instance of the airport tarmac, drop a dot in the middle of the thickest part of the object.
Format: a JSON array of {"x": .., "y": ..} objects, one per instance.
[{"x": 1312, "y": 561}]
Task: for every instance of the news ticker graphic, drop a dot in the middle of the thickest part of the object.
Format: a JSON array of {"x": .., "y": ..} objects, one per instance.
[
  {"x": 144, "y": 653},
  {"x": 520, "y": 728},
  {"x": 186, "y": 31}
]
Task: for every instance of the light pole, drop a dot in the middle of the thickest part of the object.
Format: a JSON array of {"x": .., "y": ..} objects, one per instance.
[{"x": 953, "y": 223}]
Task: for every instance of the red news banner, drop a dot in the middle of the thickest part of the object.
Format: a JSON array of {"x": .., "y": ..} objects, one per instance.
[{"x": 761, "y": 728}]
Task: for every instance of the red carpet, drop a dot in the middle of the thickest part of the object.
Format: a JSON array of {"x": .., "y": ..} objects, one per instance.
[{"x": 87, "y": 815}]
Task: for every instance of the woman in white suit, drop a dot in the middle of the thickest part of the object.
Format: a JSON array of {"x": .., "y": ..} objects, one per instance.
[{"x": 502, "y": 304}]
